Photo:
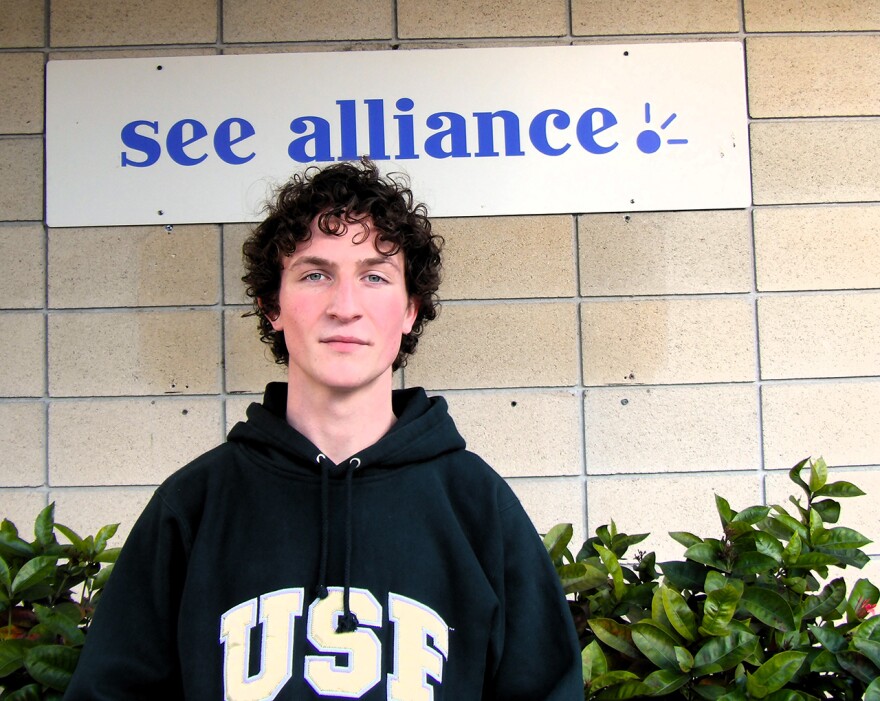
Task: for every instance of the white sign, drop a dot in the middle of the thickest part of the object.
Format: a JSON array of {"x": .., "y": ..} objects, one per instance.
[{"x": 479, "y": 131}]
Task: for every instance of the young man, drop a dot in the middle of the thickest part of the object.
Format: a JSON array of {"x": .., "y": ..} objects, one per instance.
[{"x": 342, "y": 544}]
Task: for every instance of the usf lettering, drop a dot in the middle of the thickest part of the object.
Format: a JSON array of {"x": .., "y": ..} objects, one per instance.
[{"x": 421, "y": 646}]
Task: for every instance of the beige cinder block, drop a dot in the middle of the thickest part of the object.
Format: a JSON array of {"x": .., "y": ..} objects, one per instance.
[
  {"x": 658, "y": 504},
  {"x": 21, "y": 179},
  {"x": 307, "y": 20},
  {"x": 22, "y": 266},
  {"x": 837, "y": 420},
  {"x": 481, "y": 18},
  {"x": 519, "y": 433},
  {"x": 655, "y": 253},
  {"x": 134, "y": 266},
  {"x": 507, "y": 257},
  {"x": 497, "y": 345},
  {"x": 86, "y": 510},
  {"x": 249, "y": 362},
  {"x": 22, "y": 354},
  {"x": 21, "y": 84},
  {"x": 233, "y": 267},
  {"x": 654, "y": 17},
  {"x": 811, "y": 15},
  {"x": 860, "y": 513},
  {"x": 120, "y": 22},
  {"x": 817, "y": 248},
  {"x": 131, "y": 441},
  {"x": 800, "y": 76},
  {"x": 22, "y": 24},
  {"x": 23, "y": 437},
  {"x": 552, "y": 501},
  {"x": 683, "y": 429},
  {"x": 134, "y": 353},
  {"x": 21, "y": 506},
  {"x": 803, "y": 162},
  {"x": 826, "y": 335},
  {"x": 236, "y": 408},
  {"x": 668, "y": 341}
]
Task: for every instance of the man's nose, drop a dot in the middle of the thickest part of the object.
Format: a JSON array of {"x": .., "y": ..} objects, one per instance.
[{"x": 345, "y": 302}]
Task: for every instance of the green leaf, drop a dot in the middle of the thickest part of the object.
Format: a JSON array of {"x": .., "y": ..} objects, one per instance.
[
  {"x": 818, "y": 475},
  {"x": 840, "y": 537},
  {"x": 868, "y": 629},
  {"x": 815, "y": 559},
  {"x": 858, "y": 665},
  {"x": 580, "y": 576},
  {"x": 872, "y": 693},
  {"x": 785, "y": 695},
  {"x": 43, "y": 527},
  {"x": 775, "y": 673},
  {"x": 99, "y": 581},
  {"x": 621, "y": 542},
  {"x": 615, "y": 635},
  {"x": 108, "y": 555},
  {"x": 612, "y": 678},
  {"x": 792, "y": 551},
  {"x": 825, "y": 661},
  {"x": 863, "y": 594},
  {"x": 723, "y": 653},
  {"x": 684, "y": 575},
  {"x": 609, "y": 559},
  {"x": 794, "y": 474},
  {"x": 665, "y": 681},
  {"x": 828, "y": 509},
  {"x": 75, "y": 540},
  {"x": 817, "y": 528},
  {"x": 719, "y": 608},
  {"x": 593, "y": 661},
  {"x": 655, "y": 644},
  {"x": 105, "y": 533},
  {"x": 869, "y": 649},
  {"x": 52, "y": 665},
  {"x": 840, "y": 490},
  {"x": 5, "y": 575},
  {"x": 753, "y": 562},
  {"x": 752, "y": 515},
  {"x": 793, "y": 525},
  {"x": 766, "y": 544},
  {"x": 624, "y": 690},
  {"x": 11, "y": 656},
  {"x": 685, "y": 658},
  {"x": 724, "y": 510},
  {"x": 60, "y": 625},
  {"x": 684, "y": 538},
  {"x": 556, "y": 541},
  {"x": 852, "y": 556},
  {"x": 768, "y": 607},
  {"x": 706, "y": 553},
  {"x": 679, "y": 613},
  {"x": 11, "y": 544},
  {"x": 829, "y": 638},
  {"x": 33, "y": 572},
  {"x": 31, "y": 692},
  {"x": 715, "y": 580},
  {"x": 825, "y": 602}
]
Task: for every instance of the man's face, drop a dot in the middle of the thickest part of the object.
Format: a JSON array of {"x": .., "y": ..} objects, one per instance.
[{"x": 343, "y": 307}]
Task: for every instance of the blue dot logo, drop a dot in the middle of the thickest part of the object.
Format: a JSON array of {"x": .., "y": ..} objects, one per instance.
[{"x": 649, "y": 141}]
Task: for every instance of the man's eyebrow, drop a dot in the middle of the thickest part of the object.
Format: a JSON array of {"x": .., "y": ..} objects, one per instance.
[{"x": 325, "y": 263}]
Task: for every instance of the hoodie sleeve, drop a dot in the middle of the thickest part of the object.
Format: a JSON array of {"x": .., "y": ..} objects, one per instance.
[
  {"x": 131, "y": 647},
  {"x": 539, "y": 656}
]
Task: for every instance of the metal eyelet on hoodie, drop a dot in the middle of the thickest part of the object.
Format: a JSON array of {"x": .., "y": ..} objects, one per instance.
[{"x": 355, "y": 463}]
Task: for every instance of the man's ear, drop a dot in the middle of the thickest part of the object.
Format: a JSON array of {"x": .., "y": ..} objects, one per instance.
[
  {"x": 272, "y": 316},
  {"x": 412, "y": 311}
]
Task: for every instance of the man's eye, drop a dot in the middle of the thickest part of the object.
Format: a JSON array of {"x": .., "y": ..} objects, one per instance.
[
  {"x": 315, "y": 277},
  {"x": 375, "y": 278}
]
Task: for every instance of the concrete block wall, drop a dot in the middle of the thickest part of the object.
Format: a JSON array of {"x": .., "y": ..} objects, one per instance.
[{"x": 623, "y": 365}]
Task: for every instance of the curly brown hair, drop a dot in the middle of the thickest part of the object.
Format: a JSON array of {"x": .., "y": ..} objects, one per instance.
[{"x": 344, "y": 192}]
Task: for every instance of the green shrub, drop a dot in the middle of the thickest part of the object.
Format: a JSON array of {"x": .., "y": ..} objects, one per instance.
[
  {"x": 42, "y": 625},
  {"x": 749, "y": 615}
]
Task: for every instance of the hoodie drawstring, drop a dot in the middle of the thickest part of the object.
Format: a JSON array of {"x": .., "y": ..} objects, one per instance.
[
  {"x": 321, "y": 588},
  {"x": 348, "y": 622}
]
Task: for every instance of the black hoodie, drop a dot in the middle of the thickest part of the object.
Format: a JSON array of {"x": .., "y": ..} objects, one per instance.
[{"x": 264, "y": 571}]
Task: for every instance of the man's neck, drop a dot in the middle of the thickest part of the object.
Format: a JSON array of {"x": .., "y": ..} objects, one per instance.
[{"x": 341, "y": 424}]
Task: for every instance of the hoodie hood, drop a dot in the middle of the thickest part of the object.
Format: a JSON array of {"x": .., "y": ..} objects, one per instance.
[{"x": 423, "y": 431}]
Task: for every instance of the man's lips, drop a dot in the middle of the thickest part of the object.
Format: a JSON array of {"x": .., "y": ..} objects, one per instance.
[{"x": 344, "y": 340}]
